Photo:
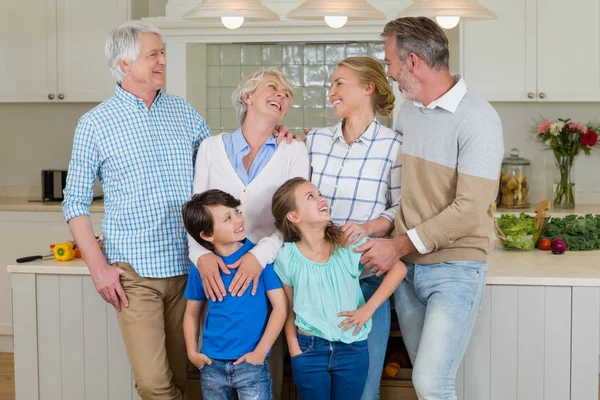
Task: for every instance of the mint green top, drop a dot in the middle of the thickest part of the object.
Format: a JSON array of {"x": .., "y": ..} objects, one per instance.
[{"x": 321, "y": 291}]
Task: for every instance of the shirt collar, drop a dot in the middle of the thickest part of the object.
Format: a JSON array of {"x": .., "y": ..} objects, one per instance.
[
  {"x": 240, "y": 144},
  {"x": 133, "y": 100},
  {"x": 451, "y": 99},
  {"x": 365, "y": 137}
]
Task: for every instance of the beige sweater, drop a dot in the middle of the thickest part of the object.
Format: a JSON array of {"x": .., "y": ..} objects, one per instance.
[{"x": 452, "y": 153}]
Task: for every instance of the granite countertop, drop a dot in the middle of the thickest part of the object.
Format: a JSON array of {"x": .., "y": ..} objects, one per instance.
[
  {"x": 23, "y": 204},
  {"x": 527, "y": 268}
]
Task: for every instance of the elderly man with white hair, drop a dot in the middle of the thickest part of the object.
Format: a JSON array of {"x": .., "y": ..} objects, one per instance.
[{"x": 142, "y": 144}]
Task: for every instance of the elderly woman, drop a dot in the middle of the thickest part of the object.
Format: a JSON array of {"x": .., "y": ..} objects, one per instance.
[{"x": 249, "y": 165}]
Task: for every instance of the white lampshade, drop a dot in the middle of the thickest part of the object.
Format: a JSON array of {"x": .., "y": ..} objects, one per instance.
[
  {"x": 231, "y": 12},
  {"x": 465, "y": 9},
  {"x": 357, "y": 10}
]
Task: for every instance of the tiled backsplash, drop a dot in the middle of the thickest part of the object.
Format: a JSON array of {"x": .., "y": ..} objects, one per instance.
[{"x": 309, "y": 67}]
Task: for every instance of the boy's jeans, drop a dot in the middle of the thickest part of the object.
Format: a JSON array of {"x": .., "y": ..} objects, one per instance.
[
  {"x": 378, "y": 338},
  {"x": 330, "y": 370},
  {"x": 222, "y": 380},
  {"x": 437, "y": 305}
]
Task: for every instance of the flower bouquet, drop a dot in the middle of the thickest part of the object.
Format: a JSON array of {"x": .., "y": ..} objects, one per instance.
[{"x": 566, "y": 139}]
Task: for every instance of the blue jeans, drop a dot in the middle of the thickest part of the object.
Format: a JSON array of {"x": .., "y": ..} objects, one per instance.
[
  {"x": 437, "y": 305},
  {"x": 378, "y": 338},
  {"x": 222, "y": 380},
  {"x": 330, "y": 370}
]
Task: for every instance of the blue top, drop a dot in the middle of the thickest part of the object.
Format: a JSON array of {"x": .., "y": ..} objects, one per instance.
[
  {"x": 234, "y": 326},
  {"x": 237, "y": 148},
  {"x": 322, "y": 290},
  {"x": 145, "y": 161}
]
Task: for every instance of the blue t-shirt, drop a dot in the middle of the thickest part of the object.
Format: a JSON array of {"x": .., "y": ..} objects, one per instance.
[{"x": 234, "y": 326}]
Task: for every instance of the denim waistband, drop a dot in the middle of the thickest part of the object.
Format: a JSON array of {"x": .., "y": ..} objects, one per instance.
[{"x": 314, "y": 341}]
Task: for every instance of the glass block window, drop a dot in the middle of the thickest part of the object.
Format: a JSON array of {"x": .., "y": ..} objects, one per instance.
[{"x": 309, "y": 67}]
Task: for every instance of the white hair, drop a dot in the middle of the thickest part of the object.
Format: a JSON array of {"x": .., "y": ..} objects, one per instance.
[
  {"x": 123, "y": 43},
  {"x": 249, "y": 84}
]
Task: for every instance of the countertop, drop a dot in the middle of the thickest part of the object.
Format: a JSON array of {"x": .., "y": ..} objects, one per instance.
[
  {"x": 23, "y": 204},
  {"x": 526, "y": 268},
  {"x": 581, "y": 209}
]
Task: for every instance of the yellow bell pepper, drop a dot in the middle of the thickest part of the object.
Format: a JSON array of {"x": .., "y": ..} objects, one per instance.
[{"x": 64, "y": 251}]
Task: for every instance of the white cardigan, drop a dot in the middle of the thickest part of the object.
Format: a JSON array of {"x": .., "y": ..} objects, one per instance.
[{"x": 214, "y": 171}]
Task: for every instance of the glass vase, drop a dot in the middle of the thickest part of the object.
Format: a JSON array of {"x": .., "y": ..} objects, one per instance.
[{"x": 564, "y": 191}]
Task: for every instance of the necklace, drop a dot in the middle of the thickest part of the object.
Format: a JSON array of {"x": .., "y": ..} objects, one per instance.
[{"x": 321, "y": 255}]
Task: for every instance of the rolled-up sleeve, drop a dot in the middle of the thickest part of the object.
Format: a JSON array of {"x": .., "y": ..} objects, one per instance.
[{"x": 83, "y": 171}]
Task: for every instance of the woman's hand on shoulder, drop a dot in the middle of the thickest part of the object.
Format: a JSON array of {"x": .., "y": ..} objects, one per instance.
[
  {"x": 248, "y": 273},
  {"x": 208, "y": 266},
  {"x": 354, "y": 233},
  {"x": 282, "y": 132}
]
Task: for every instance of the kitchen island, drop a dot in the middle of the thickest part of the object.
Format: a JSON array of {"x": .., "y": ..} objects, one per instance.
[{"x": 537, "y": 335}]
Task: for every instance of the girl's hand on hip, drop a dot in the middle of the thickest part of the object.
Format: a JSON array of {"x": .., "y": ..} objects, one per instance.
[{"x": 357, "y": 318}]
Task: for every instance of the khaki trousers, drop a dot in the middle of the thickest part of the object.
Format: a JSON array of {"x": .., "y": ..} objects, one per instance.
[{"x": 152, "y": 328}]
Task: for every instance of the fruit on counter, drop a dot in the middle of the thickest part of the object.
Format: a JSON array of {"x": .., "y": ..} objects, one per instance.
[
  {"x": 545, "y": 244},
  {"x": 64, "y": 251},
  {"x": 559, "y": 246},
  {"x": 514, "y": 190}
]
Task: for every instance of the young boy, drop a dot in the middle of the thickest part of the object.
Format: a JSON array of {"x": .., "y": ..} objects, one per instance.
[{"x": 238, "y": 332}]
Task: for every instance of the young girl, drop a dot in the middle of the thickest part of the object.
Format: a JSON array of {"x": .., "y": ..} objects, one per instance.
[{"x": 328, "y": 321}]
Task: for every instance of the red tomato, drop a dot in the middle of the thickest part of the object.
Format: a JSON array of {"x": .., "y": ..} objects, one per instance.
[{"x": 545, "y": 244}]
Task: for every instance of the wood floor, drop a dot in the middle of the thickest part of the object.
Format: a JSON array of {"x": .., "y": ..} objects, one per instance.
[{"x": 7, "y": 377}]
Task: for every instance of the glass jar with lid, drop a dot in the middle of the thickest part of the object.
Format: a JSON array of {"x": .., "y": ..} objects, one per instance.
[{"x": 514, "y": 184}]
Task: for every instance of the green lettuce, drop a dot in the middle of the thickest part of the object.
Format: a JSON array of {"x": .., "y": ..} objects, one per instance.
[{"x": 520, "y": 231}]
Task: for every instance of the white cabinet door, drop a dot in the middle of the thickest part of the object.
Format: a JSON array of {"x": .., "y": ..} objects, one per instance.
[
  {"x": 82, "y": 26},
  {"x": 499, "y": 56},
  {"x": 568, "y": 50},
  {"x": 27, "y": 50}
]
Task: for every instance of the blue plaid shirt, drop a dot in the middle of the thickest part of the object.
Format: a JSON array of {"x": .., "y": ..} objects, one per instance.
[
  {"x": 361, "y": 181},
  {"x": 145, "y": 161}
]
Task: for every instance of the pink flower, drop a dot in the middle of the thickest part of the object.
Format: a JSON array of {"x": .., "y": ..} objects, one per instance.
[
  {"x": 589, "y": 139},
  {"x": 580, "y": 127},
  {"x": 545, "y": 125}
]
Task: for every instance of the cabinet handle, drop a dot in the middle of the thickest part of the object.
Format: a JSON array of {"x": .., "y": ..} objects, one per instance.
[
  {"x": 61, "y": 96},
  {"x": 51, "y": 96},
  {"x": 542, "y": 95},
  {"x": 531, "y": 95}
]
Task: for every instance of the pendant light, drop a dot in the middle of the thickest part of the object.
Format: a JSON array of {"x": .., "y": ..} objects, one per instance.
[
  {"x": 336, "y": 12},
  {"x": 232, "y": 13},
  {"x": 448, "y": 13}
]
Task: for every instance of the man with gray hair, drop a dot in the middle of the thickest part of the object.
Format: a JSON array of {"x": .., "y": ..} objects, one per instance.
[
  {"x": 451, "y": 154},
  {"x": 142, "y": 144}
]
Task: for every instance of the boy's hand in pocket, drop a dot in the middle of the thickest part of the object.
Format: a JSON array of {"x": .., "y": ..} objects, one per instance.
[
  {"x": 251, "y": 358},
  {"x": 199, "y": 360}
]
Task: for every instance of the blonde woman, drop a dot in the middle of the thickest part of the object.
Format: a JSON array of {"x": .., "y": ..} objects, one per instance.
[
  {"x": 356, "y": 165},
  {"x": 250, "y": 165}
]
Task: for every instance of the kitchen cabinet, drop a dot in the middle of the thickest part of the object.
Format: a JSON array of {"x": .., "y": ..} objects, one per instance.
[
  {"x": 537, "y": 50},
  {"x": 53, "y": 50}
]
